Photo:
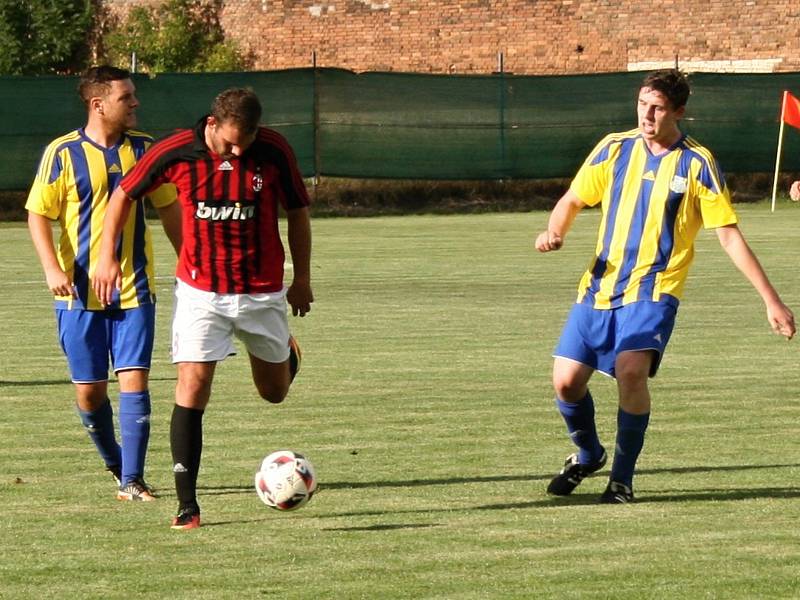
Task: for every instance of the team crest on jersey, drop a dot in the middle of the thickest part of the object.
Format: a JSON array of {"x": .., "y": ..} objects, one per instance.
[
  {"x": 678, "y": 184},
  {"x": 258, "y": 182}
]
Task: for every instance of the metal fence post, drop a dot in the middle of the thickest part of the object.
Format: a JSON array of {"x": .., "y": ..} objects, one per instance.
[
  {"x": 315, "y": 119},
  {"x": 502, "y": 112}
]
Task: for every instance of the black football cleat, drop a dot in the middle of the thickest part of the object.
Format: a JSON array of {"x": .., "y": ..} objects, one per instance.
[{"x": 572, "y": 474}]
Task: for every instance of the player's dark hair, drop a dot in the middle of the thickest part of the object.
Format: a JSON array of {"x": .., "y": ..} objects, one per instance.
[
  {"x": 239, "y": 106},
  {"x": 670, "y": 82},
  {"x": 97, "y": 81}
]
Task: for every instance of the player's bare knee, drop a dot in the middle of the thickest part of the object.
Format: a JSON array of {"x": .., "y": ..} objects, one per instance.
[
  {"x": 273, "y": 394},
  {"x": 568, "y": 389},
  {"x": 193, "y": 393},
  {"x": 633, "y": 369},
  {"x": 133, "y": 380},
  {"x": 193, "y": 388},
  {"x": 628, "y": 377},
  {"x": 91, "y": 396}
]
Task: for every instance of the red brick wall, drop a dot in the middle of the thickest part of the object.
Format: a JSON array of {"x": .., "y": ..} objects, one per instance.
[{"x": 534, "y": 36}]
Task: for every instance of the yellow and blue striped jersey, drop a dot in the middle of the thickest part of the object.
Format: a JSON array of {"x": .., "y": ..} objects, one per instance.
[
  {"x": 72, "y": 185},
  {"x": 652, "y": 209}
]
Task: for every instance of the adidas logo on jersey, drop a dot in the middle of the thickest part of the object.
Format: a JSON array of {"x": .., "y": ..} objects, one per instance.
[
  {"x": 225, "y": 166},
  {"x": 114, "y": 169}
]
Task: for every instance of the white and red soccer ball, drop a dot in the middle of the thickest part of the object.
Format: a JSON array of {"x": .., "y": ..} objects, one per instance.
[{"x": 286, "y": 480}]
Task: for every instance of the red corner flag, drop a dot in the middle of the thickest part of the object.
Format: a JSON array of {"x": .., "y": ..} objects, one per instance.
[
  {"x": 791, "y": 110},
  {"x": 790, "y": 115}
]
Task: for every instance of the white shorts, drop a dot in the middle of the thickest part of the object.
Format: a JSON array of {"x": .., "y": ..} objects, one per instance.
[{"x": 204, "y": 323}]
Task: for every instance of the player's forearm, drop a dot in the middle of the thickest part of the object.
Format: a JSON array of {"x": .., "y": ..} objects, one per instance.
[
  {"x": 42, "y": 237},
  {"x": 117, "y": 209},
  {"x": 564, "y": 213},
  {"x": 171, "y": 221},
  {"x": 746, "y": 261},
  {"x": 755, "y": 274},
  {"x": 299, "y": 226}
]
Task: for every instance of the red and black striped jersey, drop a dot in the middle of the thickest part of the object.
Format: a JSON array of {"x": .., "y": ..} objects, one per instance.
[{"x": 231, "y": 241}]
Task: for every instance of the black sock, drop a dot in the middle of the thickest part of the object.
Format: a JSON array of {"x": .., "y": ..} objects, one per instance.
[{"x": 186, "y": 440}]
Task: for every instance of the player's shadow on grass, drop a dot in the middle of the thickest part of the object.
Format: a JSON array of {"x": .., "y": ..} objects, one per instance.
[
  {"x": 34, "y": 383},
  {"x": 376, "y": 527},
  {"x": 383, "y": 527},
  {"x": 347, "y": 485},
  {"x": 713, "y": 469},
  {"x": 704, "y": 494},
  {"x": 64, "y": 381},
  {"x": 224, "y": 490},
  {"x": 591, "y": 499},
  {"x": 670, "y": 496},
  {"x": 538, "y": 477}
]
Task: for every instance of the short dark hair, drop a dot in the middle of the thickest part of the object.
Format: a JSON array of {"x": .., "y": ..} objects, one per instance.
[
  {"x": 97, "y": 81},
  {"x": 240, "y": 106},
  {"x": 670, "y": 82}
]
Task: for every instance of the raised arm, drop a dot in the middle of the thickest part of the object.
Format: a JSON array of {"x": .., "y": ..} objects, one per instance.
[{"x": 779, "y": 316}]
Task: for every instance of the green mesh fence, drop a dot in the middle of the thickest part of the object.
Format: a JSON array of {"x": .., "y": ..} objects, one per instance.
[{"x": 398, "y": 125}]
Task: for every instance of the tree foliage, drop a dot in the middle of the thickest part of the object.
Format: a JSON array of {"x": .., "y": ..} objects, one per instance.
[
  {"x": 44, "y": 36},
  {"x": 176, "y": 36}
]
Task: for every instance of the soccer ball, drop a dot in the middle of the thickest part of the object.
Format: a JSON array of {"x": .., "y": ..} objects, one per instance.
[{"x": 286, "y": 480}]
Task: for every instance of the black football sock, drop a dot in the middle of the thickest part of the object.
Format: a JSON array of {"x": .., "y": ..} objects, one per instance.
[{"x": 186, "y": 440}]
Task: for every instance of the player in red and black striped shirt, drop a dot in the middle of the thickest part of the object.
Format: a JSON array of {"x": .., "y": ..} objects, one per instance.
[{"x": 231, "y": 177}]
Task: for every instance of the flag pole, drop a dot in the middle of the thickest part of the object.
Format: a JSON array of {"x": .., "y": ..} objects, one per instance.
[{"x": 778, "y": 155}]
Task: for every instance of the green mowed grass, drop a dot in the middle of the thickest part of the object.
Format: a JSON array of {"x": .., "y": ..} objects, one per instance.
[{"x": 425, "y": 405}]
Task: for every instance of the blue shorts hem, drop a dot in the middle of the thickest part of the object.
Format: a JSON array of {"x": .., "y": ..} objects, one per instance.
[
  {"x": 595, "y": 337},
  {"x": 118, "y": 368},
  {"x": 582, "y": 362}
]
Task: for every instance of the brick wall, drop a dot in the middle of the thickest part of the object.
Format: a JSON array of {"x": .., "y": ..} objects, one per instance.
[{"x": 534, "y": 36}]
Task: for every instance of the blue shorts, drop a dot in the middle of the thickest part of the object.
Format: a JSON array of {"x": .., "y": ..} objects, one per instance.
[
  {"x": 90, "y": 337},
  {"x": 595, "y": 337}
]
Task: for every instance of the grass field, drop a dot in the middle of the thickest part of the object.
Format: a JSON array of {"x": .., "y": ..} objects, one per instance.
[{"x": 425, "y": 404}]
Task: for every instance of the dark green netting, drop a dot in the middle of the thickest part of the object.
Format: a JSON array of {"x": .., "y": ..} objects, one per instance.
[
  {"x": 38, "y": 109},
  {"x": 399, "y": 125},
  {"x": 177, "y": 100},
  {"x": 738, "y": 117}
]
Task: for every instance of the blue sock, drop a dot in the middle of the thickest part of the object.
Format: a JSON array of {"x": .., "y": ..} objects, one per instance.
[
  {"x": 630, "y": 440},
  {"x": 99, "y": 425},
  {"x": 134, "y": 424},
  {"x": 579, "y": 417}
]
